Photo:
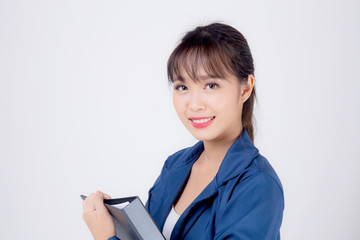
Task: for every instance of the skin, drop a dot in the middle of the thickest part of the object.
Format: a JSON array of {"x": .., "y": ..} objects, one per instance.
[
  {"x": 97, "y": 217},
  {"x": 208, "y": 97}
]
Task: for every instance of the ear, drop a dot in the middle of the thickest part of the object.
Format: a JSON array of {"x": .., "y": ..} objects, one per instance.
[{"x": 246, "y": 88}]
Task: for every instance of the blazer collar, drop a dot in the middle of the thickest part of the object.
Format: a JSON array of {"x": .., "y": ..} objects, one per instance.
[{"x": 238, "y": 157}]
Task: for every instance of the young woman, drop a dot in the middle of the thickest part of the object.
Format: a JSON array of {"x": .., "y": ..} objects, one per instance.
[{"x": 221, "y": 188}]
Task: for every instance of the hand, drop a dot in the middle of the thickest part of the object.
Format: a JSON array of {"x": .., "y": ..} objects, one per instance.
[{"x": 97, "y": 217}]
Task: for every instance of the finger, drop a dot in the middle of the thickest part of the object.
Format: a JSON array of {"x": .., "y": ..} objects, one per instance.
[
  {"x": 89, "y": 203},
  {"x": 104, "y": 195},
  {"x": 99, "y": 203},
  {"x": 99, "y": 192}
]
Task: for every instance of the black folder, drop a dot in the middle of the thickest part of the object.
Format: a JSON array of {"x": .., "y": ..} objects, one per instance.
[{"x": 132, "y": 222}]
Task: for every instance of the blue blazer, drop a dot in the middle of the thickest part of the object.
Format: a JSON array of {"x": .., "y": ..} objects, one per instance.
[{"x": 244, "y": 201}]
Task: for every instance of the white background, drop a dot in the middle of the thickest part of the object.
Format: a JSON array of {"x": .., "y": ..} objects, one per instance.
[{"x": 85, "y": 105}]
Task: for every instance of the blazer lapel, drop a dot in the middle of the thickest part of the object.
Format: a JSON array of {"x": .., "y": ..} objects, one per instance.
[
  {"x": 190, "y": 215},
  {"x": 174, "y": 184},
  {"x": 175, "y": 179},
  {"x": 238, "y": 157}
]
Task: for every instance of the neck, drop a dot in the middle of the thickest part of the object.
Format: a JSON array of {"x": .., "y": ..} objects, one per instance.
[{"x": 215, "y": 151}]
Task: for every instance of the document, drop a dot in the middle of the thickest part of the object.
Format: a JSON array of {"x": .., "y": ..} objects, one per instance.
[{"x": 132, "y": 220}]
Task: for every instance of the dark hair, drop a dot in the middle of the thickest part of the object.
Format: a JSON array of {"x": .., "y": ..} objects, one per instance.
[{"x": 220, "y": 49}]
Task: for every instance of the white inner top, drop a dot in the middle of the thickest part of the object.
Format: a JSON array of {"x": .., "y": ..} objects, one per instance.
[{"x": 170, "y": 223}]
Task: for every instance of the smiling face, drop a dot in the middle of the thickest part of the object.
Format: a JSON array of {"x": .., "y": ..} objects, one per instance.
[{"x": 210, "y": 108}]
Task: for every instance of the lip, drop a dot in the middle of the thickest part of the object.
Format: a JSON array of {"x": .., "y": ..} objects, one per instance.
[{"x": 201, "y": 125}]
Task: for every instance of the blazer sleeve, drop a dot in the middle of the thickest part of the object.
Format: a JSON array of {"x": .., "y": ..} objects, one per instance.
[
  {"x": 114, "y": 238},
  {"x": 253, "y": 211}
]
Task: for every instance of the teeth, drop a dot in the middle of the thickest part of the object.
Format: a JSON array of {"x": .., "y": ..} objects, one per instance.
[{"x": 202, "y": 120}]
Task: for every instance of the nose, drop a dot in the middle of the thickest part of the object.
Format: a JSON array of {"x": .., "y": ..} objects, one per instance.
[{"x": 196, "y": 101}]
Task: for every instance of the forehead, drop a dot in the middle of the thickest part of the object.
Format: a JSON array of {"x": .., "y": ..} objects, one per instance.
[
  {"x": 198, "y": 73},
  {"x": 198, "y": 62},
  {"x": 202, "y": 78}
]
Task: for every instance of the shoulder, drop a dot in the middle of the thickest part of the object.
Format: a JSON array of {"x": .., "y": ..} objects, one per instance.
[
  {"x": 264, "y": 173},
  {"x": 261, "y": 176},
  {"x": 257, "y": 184},
  {"x": 251, "y": 203}
]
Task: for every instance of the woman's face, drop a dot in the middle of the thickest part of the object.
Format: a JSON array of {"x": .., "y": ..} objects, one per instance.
[{"x": 210, "y": 108}]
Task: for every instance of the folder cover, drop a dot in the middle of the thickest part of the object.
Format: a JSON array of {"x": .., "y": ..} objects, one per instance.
[{"x": 132, "y": 221}]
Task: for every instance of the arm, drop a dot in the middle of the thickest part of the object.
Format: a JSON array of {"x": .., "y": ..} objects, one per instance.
[
  {"x": 253, "y": 212},
  {"x": 97, "y": 217}
]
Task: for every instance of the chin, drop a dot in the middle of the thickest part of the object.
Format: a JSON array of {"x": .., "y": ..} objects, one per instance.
[
  {"x": 206, "y": 137},
  {"x": 204, "y": 134}
]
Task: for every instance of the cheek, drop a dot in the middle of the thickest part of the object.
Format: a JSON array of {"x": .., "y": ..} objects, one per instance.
[
  {"x": 229, "y": 107},
  {"x": 179, "y": 104}
]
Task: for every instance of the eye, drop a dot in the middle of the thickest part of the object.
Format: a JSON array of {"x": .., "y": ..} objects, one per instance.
[
  {"x": 211, "y": 86},
  {"x": 180, "y": 88}
]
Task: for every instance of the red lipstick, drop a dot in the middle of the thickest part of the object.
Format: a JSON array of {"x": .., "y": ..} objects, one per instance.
[{"x": 201, "y": 122}]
